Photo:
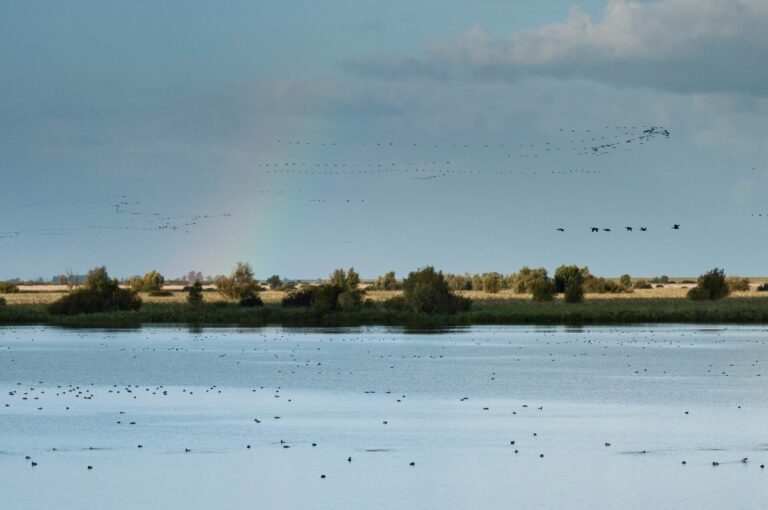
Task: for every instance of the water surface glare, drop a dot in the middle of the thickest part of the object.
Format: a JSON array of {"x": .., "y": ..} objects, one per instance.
[{"x": 490, "y": 417}]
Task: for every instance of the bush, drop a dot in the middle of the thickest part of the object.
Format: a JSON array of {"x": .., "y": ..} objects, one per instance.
[
  {"x": 738, "y": 284},
  {"x": 8, "y": 288},
  {"x": 396, "y": 303},
  {"x": 492, "y": 283},
  {"x": 626, "y": 281},
  {"x": 642, "y": 284},
  {"x": 299, "y": 298},
  {"x": 99, "y": 293},
  {"x": 427, "y": 291},
  {"x": 240, "y": 284},
  {"x": 458, "y": 282},
  {"x": 195, "y": 294},
  {"x": 571, "y": 280},
  {"x": 387, "y": 281},
  {"x": 274, "y": 282},
  {"x": 711, "y": 286},
  {"x": 161, "y": 293},
  {"x": 542, "y": 287},
  {"x": 251, "y": 301},
  {"x": 350, "y": 299},
  {"x": 763, "y": 287},
  {"x": 522, "y": 281},
  {"x": 2, "y": 302}
]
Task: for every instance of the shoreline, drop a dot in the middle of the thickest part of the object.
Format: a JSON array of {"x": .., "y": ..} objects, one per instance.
[{"x": 594, "y": 311}]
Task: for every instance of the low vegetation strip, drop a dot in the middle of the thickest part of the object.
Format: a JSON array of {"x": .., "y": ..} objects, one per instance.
[{"x": 514, "y": 311}]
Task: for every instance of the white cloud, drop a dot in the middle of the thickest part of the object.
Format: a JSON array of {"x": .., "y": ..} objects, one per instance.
[{"x": 689, "y": 46}]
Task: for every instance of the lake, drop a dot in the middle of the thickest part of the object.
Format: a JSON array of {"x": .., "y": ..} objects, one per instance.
[{"x": 480, "y": 417}]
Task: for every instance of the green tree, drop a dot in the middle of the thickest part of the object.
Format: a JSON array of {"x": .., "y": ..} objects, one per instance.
[
  {"x": 240, "y": 285},
  {"x": 426, "y": 291},
  {"x": 353, "y": 279},
  {"x": 339, "y": 279},
  {"x": 712, "y": 285},
  {"x": 541, "y": 286},
  {"x": 492, "y": 283},
  {"x": 274, "y": 282},
  {"x": 571, "y": 280},
  {"x": 99, "y": 293},
  {"x": 153, "y": 281},
  {"x": 387, "y": 281},
  {"x": 195, "y": 294},
  {"x": 626, "y": 281}
]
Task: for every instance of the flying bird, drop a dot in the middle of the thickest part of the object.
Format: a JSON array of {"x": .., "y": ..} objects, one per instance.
[
  {"x": 629, "y": 229},
  {"x": 676, "y": 226}
]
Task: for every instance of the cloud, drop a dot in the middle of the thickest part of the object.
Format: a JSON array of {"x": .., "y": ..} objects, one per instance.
[{"x": 683, "y": 46}]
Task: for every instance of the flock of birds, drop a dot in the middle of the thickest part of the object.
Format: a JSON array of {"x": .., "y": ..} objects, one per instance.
[
  {"x": 442, "y": 160},
  {"x": 283, "y": 359},
  {"x": 675, "y": 226},
  {"x": 129, "y": 216}
]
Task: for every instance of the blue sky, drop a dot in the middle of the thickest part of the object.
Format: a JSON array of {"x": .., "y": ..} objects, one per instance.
[{"x": 146, "y": 135}]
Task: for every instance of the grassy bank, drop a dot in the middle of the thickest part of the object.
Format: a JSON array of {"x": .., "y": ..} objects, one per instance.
[{"x": 748, "y": 308}]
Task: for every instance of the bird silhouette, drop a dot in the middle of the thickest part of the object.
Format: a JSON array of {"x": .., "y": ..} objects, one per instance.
[
  {"x": 629, "y": 229},
  {"x": 561, "y": 230},
  {"x": 595, "y": 229},
  {"x": 643, "y": 229},
  {"x": 676, "y": 226}
]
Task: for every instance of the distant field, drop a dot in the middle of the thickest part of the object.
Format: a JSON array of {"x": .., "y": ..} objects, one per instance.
[{"x": 481, "y": 299}]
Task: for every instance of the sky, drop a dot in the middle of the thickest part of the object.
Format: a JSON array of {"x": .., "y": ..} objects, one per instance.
[{"x": 303, "y": 136}]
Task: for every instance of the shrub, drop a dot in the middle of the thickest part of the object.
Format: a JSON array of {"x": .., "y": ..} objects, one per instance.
[
  {"x": 250, "y": 301},
  {"x": 542, "y": 287},
  {"x": 350, "y": 299},
  {"x": 426, "y": 291},
  {"x": 626, "y": 281},
  {"x": 458, "y": 282},
  {"x": 387, "y": 281},
  {"x": 395, "y": 303},
  {"x": 711, "y": 286},
  {"x": 99, "y": 293},
  {"x": 274, "y": 282},
  {"x": 738, "y": 284},
  {"x": 571, "y": 280},
  {"x": 299, "y": 298},
  {"x": 326, "y": 298},
  {"x": 161, "y": 293},
  {"x": 8, "y": 288},
  {"x": 492, "y": 283},
  {"x": 642, "y": 284},
  {"x": 240, "y": 284},
  {"x": 150, "y": 282},
  {"x": 195, "y": 294},
  {"x": 522, "y": 281},
  {"x": 2, "y": 302},
  {"x": 763, "y": 287}
]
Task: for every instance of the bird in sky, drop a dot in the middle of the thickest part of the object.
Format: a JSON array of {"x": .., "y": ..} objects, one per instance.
[{"x": 676, "y": 226}]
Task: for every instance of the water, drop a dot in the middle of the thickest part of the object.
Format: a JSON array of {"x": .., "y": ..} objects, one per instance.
[{"x": 452, "y": 402}]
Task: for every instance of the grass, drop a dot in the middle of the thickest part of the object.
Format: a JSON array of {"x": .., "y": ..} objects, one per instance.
[{"x": 666, "y": 305}]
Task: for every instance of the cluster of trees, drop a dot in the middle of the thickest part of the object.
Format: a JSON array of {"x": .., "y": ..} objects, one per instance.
[
  {"x": 8, "y": 288},
  {"x": 99, "y": 293},
  {"x": 342, "y": 292},
  {"x": 387, "y": 281},
  {"x": 151, "y": 282},
  {"x": 521, "y": 282}
]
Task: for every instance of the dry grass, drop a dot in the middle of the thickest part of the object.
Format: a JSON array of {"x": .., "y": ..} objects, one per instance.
[{"x": 274, "y": 297}]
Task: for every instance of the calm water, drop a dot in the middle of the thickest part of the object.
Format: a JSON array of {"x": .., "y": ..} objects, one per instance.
[{"x": 451, "y": 403}]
